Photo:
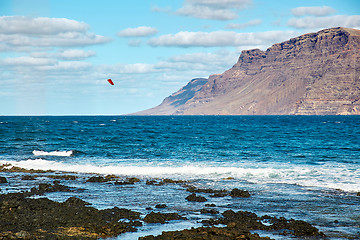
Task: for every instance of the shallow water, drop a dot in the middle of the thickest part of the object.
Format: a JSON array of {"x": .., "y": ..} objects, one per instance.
[{"x": 301, "y": 167}]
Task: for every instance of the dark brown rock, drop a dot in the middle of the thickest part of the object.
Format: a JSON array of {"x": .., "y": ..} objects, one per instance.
[
  {"x": 250, "y": 221},
  {"x": 44, "y": 188},
  {"x": 3, "y": 180},
  {"x": 205, "y": 190},
  {"x": 45, "y": 219},
  {"x": 97, "y": 179},
  {"x": 128, "y": 181},
  {"x": 207, "y": 233},
  {"x": 10, "y": 168},
  {"x": 209, "y": 211},
  {"x": 194, "y": 198},
  {"x": 157, "y": 217},
  {"x": 63, "y": 177},
  {"x": 239, "y": 193},
  {"x": 161, "y": 206},
  {"x": 313, "y": 74},
  {"x": 28, "y": 178}
]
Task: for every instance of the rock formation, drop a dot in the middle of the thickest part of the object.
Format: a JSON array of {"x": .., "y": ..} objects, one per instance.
[{"x": 313, "y": 74}]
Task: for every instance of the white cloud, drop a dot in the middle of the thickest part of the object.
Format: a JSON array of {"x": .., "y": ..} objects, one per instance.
[
  {"x": 142, "y": 31},
  {"x": 238, "y": 4},
  {"x": 220, "y": 39},
  {"x": 206, "y": 12},
  {"x": 40, "y": 25},
  {"x": 68, "y": 39},
  {"x": 244, "y": 25},
  {"x": 18, "y": 32},
  {"x": 213, "y": 9},
  {"x": 70, "y": 67},
  {"x": 27, "y": 61},
  {"x": 325, "y": 22},
  {"x": 136, "y": 68},
  {"x": 76, "y": 54},
  {"x": 200, "y": 61},
  {"x": 313, "y": 11},
  {"x": 69, "y": 54}
]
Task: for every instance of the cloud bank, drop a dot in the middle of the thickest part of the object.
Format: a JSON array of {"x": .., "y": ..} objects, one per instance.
[
  {"x": 19, "y": 33},
  {"x": 313, "y": 11},
  {"x": 213, "y": 9},
  {"x": 220, "y": 39},
  {"x": 142, "y": 31},
  {"x": 325, "y": 22}
]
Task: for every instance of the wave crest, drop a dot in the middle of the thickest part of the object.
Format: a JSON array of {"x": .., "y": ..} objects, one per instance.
[{"x": 53, "y": 153}]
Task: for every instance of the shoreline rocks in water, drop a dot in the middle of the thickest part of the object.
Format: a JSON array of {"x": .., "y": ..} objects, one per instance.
[
  {"x": 25, "y": 217},
  {"x": 3, "y": 180}
]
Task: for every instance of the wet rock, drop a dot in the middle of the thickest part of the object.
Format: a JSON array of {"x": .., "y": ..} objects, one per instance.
[
  {"x": 161, "y": 206},
  {"x": 152, "y": 182},
  {"x": 167, "y": 180},
  {"x": 133, "y": 180},
  {"x": 207, "y": 233},
  {"x": 209, "y": 211},
  {"x": 10, "y": 168},
  {"x": 205, "y": 190},
  {"x": 115, "y": 214},
  {"x": 250, "y": 221},
  {"x": 218, "y": 195},
  {"x": 157, "y": 217},
  {"x": 97, "y": 179},
  {"x": 3, "y": 180},
  {"x": 164, "y": 181},
  {"x": 194, "y": 198},
  {"x": 76, "y": 202},
  {"x": 128, "y": 181},
  {"x": 63, "y": 177},
  {"x": 210, "y": 205},
  {"x": 239, "y": 193},
  {"x": 22, "y": 217},
  {"x": 358, "y": 194},
  {"x": 28, "y": 178},
  {"x": 44, "y": 188}
]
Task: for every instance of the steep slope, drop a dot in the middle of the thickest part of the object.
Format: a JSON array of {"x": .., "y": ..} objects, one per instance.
[
  {"x": 313, "y": 74},
  {"x": 170, "y": 104}
]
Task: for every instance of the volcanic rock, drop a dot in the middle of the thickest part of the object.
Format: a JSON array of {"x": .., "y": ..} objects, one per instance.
[
  {"x": 194, "y": 198},
  {"x": 239, "y": 193},
  {"x": 3, "y": 180},
  {"x": 157, "y": 217},
  {"x": 42, "y": 218},
  {"x": 313, "y": 74}
]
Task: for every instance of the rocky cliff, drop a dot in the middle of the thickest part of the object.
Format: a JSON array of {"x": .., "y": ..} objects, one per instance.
[{"x": 313, "y": 74}]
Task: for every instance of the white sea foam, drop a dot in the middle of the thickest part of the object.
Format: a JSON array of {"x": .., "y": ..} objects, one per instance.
[
  {"x": 329, "y": 177},
  {"x": 54, "y": 153}
]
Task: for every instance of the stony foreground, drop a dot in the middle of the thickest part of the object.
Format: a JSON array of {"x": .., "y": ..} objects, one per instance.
[{"x": 25, "y": 215}]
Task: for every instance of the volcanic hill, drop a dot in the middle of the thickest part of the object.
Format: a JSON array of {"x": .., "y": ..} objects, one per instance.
[{"x": 313, "y": 74}]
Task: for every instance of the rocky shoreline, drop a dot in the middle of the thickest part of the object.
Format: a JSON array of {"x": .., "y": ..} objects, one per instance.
[{"x": 29, "y": 215}]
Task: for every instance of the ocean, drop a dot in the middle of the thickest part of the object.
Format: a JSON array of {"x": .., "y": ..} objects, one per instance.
[{"x": 301, "y": 167}]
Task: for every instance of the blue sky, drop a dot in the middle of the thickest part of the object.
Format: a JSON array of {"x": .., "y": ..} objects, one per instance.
[{"x": 56, "y": 55}]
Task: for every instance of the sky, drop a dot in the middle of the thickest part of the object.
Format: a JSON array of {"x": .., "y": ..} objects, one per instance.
[{"x": 56, "y": 55}]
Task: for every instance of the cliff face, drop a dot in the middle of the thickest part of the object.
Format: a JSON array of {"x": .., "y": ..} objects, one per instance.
[{"x": 313, "y": 74}]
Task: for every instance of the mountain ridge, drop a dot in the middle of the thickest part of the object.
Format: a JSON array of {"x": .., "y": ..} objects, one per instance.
[{"x": 312, "y": 74}]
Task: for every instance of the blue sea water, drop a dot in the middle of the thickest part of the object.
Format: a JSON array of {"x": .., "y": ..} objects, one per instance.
[{"x": 301, "y": 167}]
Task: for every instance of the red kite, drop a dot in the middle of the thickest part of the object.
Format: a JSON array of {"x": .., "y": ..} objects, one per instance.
[{"x": 110, "y": 81}]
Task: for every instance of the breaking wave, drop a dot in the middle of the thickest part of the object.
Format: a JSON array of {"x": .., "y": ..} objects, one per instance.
[
  {"x": 329, "y": 177},
  {"x": 53, "y": 153}
]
